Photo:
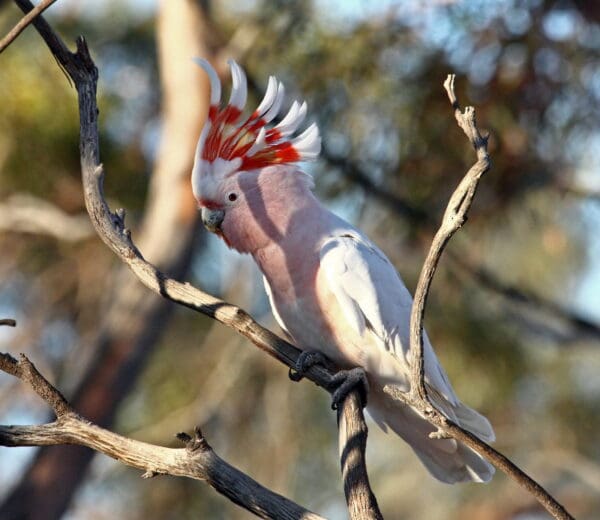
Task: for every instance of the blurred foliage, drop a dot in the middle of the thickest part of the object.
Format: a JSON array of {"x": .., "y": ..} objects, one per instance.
[{"x": 372, "y": 77}]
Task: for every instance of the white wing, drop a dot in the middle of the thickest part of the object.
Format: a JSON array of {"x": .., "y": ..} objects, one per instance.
[
  {"x": 274, "y": 310},
  {"x": 373, "y": 296}
]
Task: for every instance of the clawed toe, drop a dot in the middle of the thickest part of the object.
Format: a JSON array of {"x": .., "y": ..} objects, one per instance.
[
  {"x": 341, "y": 383},
  {"x": 346, "y": 381},
  {"x": 306, "y": 359}
]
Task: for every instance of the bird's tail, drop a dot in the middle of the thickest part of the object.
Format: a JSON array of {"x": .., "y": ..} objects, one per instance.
[{"x": 446, "y": 459}]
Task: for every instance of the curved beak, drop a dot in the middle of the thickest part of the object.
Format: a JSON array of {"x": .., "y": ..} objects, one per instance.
[{"x": 212, "y": 219}]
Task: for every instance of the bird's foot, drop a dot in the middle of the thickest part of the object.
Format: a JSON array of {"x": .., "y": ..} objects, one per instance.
[
  {"x": 306, "y": 359},
  {"x": 346, "y": 381},
  {"x": 342, "y": 382}
]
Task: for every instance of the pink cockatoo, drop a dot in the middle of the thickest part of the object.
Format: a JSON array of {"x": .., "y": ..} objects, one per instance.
[{"x": 330, "y": 288}]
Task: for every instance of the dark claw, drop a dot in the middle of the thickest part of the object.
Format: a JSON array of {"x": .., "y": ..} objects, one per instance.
[
  {"x": 347, "y": 381},
  {"x": 306, "y": 359}
]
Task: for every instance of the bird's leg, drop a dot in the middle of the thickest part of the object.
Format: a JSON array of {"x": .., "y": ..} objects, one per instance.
[
  {"x": 306, "y": 359},
  {"x": 346, "y": 381},
  {"x": 343, "y": 381}
]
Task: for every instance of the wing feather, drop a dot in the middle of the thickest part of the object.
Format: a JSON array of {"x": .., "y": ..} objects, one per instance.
[
  {"x": 274, "y": 309},
  {"x": 372, "y": 295}
]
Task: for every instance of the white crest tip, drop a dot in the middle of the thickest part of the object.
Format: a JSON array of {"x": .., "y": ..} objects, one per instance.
[
  {"x": 239, "y": 89},
  {"x": 215, "y": 83}
]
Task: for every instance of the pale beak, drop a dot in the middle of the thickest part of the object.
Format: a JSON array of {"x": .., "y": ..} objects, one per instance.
[{"x": 212, "y": 219}]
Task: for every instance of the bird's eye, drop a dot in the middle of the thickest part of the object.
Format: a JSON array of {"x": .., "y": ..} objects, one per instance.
[{"x": 232, "y": 197}]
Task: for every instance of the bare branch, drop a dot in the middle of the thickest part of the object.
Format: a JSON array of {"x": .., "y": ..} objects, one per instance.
[
  {"x": 24, "y": 22},
  {"x": 362, "y": 504},
  {"x": 56, "y": 45},
  {"x": 9, "y": 322},
  {"x": 27, "y": 214},
  {"x": 485, "y": 278},
  {"x": 111, "y": 229},
  {"x": 26, "y": 372},
  {"x": 454, "y": 217},
  {"x": 197, "y": 460}
]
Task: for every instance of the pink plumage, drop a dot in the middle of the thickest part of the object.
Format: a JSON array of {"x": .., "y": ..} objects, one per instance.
[{"x": 330, "y": 288}]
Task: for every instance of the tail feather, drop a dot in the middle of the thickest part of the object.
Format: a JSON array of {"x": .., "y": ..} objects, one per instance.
[
  {"x": 447, "y": 460},
  {"x": 474, "y": 422}
]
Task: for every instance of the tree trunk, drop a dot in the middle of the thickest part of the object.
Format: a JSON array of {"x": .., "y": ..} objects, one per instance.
[{"x": 134, "y": 318}]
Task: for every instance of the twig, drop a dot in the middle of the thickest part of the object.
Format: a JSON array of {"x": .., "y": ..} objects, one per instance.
[
  {"x": 9, "y": 322},
  {"x": 26, "y": 372},
  {"x": 485, "y": 278},
  {"x": 197, "y": 460},
  {"x": 27, "y": 214},
  {"x": 111, "y": 229},
  {"x": 24, "y": 22},
  {"x": 581, "y": 192},
  {"x": 454, "y": 217}
]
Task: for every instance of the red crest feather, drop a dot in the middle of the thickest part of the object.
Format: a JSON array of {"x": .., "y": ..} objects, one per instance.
[{"x": 250, "y": 142}]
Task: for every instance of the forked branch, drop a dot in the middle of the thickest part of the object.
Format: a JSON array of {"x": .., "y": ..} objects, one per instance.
[
  {"x": 196, "y": 460},
  {"x": 454, "y": 218},
  {"x": 111, "y": 228}
]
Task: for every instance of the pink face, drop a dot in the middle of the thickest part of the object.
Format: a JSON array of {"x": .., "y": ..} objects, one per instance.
[
  {"x": 216, "y": 207},
  {"x": 249, "y": 209},
  {"x": 226, "y": 210},
  {"x": 233, "y": 151}
]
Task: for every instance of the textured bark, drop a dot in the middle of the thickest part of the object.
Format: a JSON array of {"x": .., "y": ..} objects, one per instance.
[
  {"x": 454, "y": 218},
  {"x": 135, "y": 319},
  {"x": 111, "y": 229},
  {"x": 197, "y": 460},
  {"x": 362, "y": 504}
]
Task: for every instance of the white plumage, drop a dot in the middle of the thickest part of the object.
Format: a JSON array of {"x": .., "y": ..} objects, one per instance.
[{"x": 330, "y": 288}]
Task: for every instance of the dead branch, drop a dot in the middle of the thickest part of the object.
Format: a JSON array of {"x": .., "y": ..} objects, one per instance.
[
  {"x": 23, "y": 23},
  {"x": 362, "y": 504},
  {"x": 111, "y": 228},
  {"x": 197, "y": 460},
  {"x": 454, "y": 217},
  {"x": 9, "y": 322},
  {"x": 27, "y": 214},
  {"x": 485, "y": 278}
]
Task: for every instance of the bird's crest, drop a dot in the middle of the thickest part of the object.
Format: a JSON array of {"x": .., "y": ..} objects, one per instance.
[{"x": 228, "y": 143}]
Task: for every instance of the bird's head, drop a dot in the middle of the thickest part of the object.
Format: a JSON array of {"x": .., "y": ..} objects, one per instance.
[{"x": 233, "y": 152}]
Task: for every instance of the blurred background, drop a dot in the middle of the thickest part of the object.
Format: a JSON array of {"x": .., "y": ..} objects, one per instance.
[{"x": 514, "y": 312}]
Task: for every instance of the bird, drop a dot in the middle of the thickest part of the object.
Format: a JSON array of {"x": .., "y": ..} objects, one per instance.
[{"x": 333, "y": 292}]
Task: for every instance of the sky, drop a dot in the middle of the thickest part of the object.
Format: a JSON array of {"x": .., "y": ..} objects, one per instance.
[
  {"x": 559, "y": 26},
  {"x": 586, "y": 298}
]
